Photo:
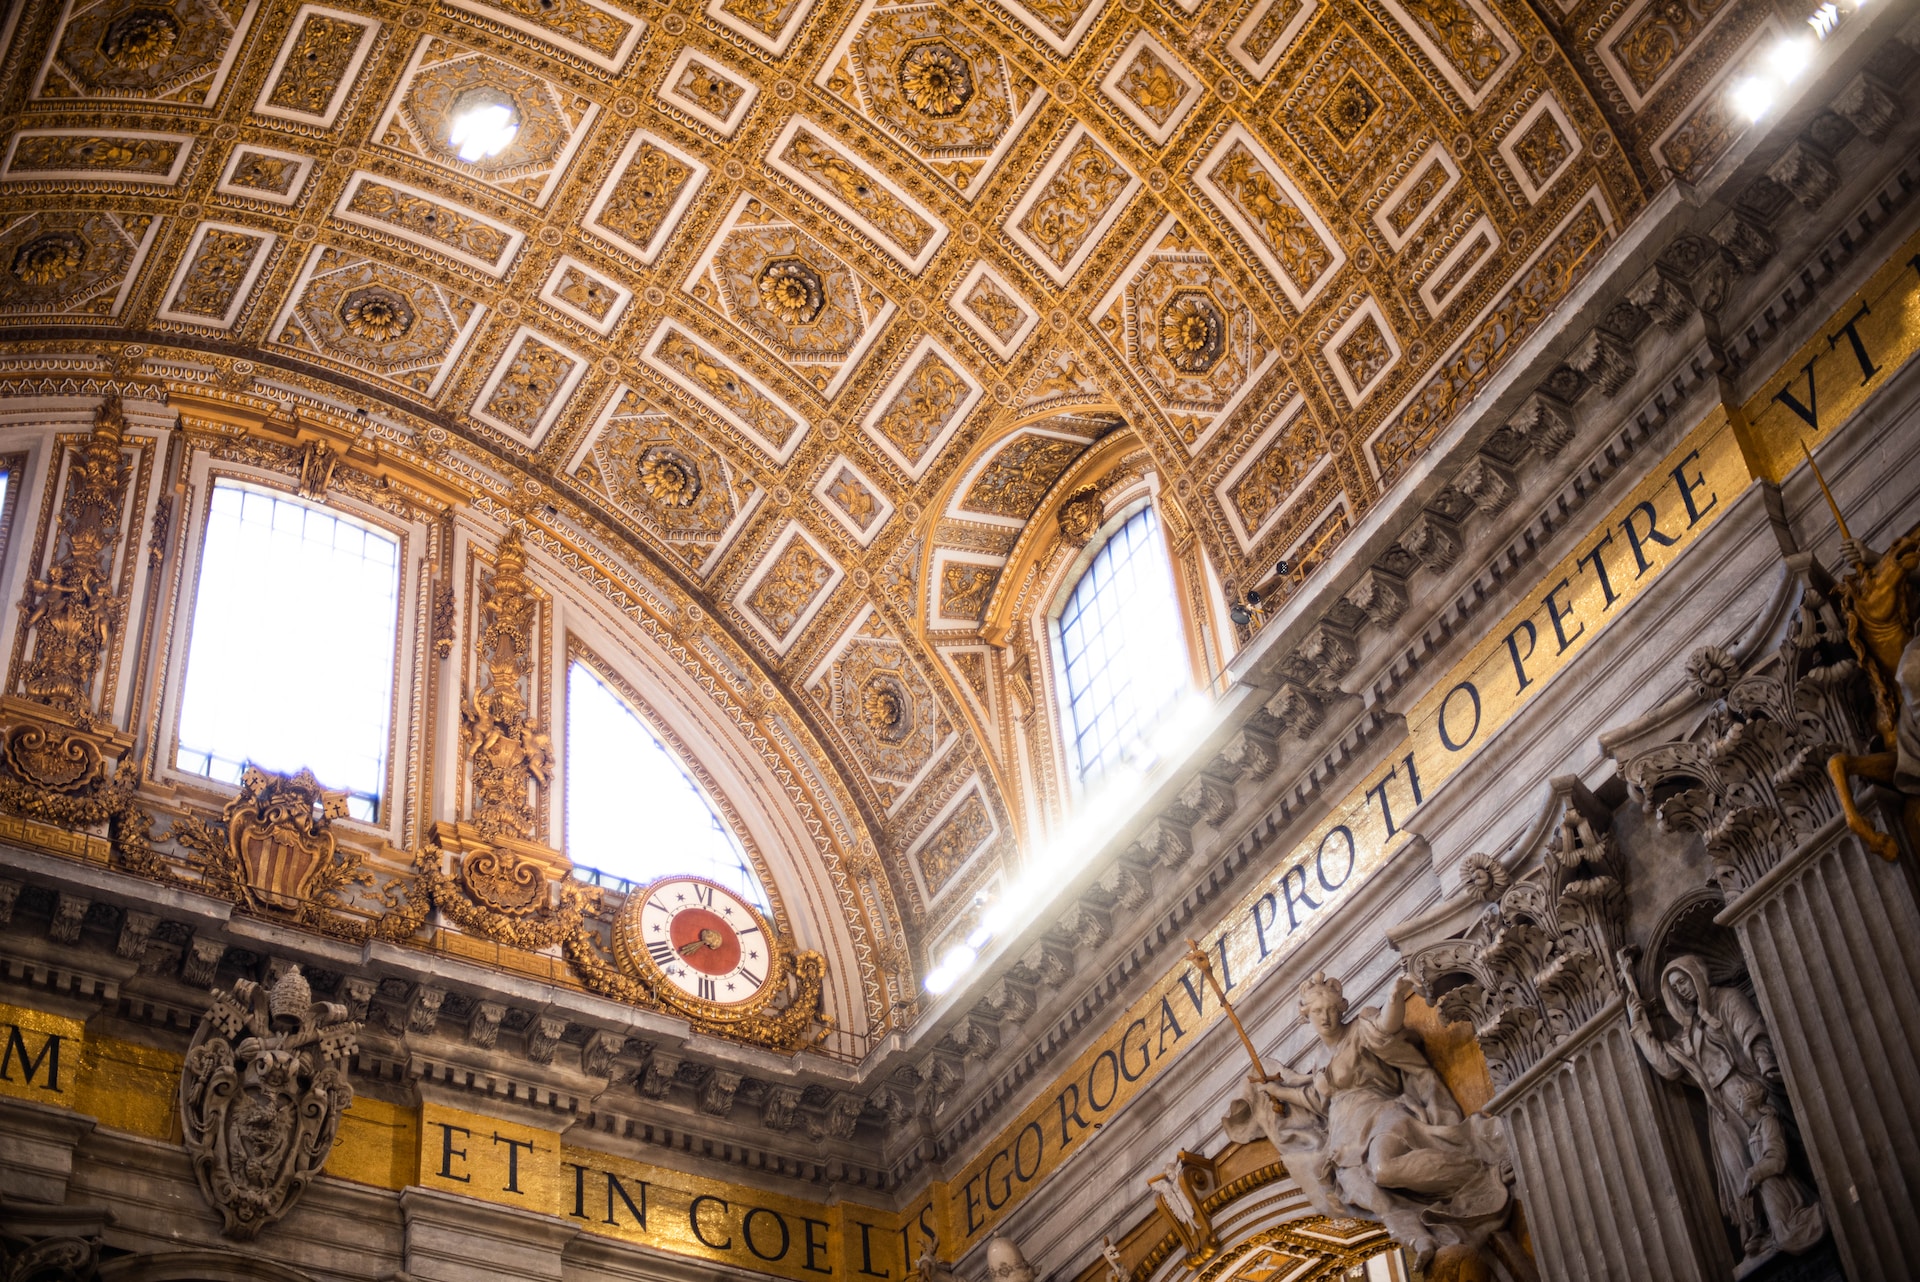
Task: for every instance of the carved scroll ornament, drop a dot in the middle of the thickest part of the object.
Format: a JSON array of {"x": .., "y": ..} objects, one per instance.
[
  {"x": 261, "y": 1094},
  {"x": 509, "y": 754}
]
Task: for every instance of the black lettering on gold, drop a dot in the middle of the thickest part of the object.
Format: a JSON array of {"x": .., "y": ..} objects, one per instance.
[
  {"x": 693, "y": 1222},
  {"x": 1867, "y": 368},
  {"x": 779, "y": 1222},
  {"x": 1653, "y": 535},
  {"x": 448, "y": 1152},
  {"x": 1520, "y": 660},
  {"x": 1446, "y": 737}
]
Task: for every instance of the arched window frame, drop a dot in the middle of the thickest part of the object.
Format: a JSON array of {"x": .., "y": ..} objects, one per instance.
[
  {"x": 577, "y": 650},
  {"x": 1121, "y": 504},
  {"x": 402, "y": 790}
]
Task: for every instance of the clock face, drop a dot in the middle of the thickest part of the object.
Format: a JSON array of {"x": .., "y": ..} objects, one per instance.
[{"x": 705, "y": 940}]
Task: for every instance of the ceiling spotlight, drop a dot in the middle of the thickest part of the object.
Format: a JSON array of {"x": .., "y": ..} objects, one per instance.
[
  {"x": 1751, "y": 97},
  {"x": 485, "y": 123},
  {"x": 1284, "y": 566},
  {"x": 1240, "y": 615},
  {"x": 1824, "y": 20}
]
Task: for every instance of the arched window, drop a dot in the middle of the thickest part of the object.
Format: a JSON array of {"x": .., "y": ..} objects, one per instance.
[
  {"x": 632, "y": 809},
  {"x": 291, "y": 658},
  {"x": 1123, "y": 655}
]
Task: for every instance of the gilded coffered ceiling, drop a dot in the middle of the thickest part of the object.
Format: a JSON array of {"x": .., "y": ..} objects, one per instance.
[{"x": 806, "y": 305}]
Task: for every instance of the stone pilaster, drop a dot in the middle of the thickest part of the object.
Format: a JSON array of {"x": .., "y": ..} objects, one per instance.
[
  {"x": 1614, "y": 1183},
  {"x": 458, "y": 1239},
  {"x": 1832, "y": 941}
]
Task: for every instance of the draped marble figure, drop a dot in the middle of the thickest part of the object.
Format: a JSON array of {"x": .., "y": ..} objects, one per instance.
[
  {"x": 1374, "y": 1133},
  {"x": 1724, "y": 1051}
]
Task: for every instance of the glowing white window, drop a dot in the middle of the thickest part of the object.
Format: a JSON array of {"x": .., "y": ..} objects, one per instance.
[
  {"x": 1121, "y": 647},
  {"x": 291, "y": 657},
  {"x": 485, "y": 123},
  {"x": 632, "y": 809}
]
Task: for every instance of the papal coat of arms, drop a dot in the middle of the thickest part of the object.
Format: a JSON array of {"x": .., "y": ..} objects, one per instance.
[{"x": 261, "y": 1095}]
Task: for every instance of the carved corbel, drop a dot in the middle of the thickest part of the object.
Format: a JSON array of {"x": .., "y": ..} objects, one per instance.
[
  {"x": 1867, "y": 105},
  {"x": 136, "y": 928},
  {"x": 1662, "y": 297},
  {"x": 1807, "y": 173},
  {"x": 423, "y": 1011},
  {"x": 1381, "y": 596},
  {"x": 1165, "y": 842},
  {"x": 717, "y": 1091},
  {"x": 1085, "y": 925},
  {"x": 1433, "y": 540},
  {"x": 201, "y": 960},
  {"x": 483, "y": 1026},
  {"x": 781, "y": 1108},
  {"x": 543, "y": 1038},
  {"x": 1488, "y": 484},
  {"x": 657, "y": 1079},
  {"x": 1248, "y": 755},
  {"x": 1210, "y": 799},
  {"x": 842, "y": 1117},
  {"x": 1604, "y": 359},
  {"x": 1545, "y": 422},
  {"x": 69, "y": 915},
  {"x": 1046, "y": 965},
  {"x": 598, "y": 1055},
  {"x": 1295, "y": 711},
  {"x": 1744, "y": 241},
  {"x": 1009, "y": 999}
]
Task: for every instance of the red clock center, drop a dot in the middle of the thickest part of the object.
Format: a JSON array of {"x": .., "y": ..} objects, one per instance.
[{"x": 705, "y": 941}]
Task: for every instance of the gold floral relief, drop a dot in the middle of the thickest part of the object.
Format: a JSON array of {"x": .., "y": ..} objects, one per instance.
[
  {"x": 851, "y": 496},
  {"x": 1074, "y": 201},
  {"x": 666, "y": 478},
  {"x": 589, "y": 293},
  {"x": 768, "y": 17},
  {"x": 141, "y": 49},
  {"x": 928, "y": 401},
  {"x": 1365, "y": 353},
  {"x": 1414, "y": 201},
  {"x": 1702, "y": 137},
  {"x": 66, "y": 263},
  {"x": 1347, "y": 110},
  {"x": 257, "y": 171},
  {"x": 964, "y": 589},
  {"x": 1013, "y": 484},
  {"x": 377, "y": 318},
  {"x": 886, "y": 212},
  {"x": 317, "y": 62},
  {"x": 572, "y": 20},
  {"x": 56, "y": 153},
  {"x": 1658, "y": 35},
  {"x": 532, "y": 382},
  {"x": 215, "y": 274},
  {"x": 430, "y": 219},
  {"x": 1059, "y": 16},
  {"x": 1542, "y": 149},
  {"x": 645, "y": 194},
  {"x": 509, "y": 753},
  {"x": 708, "y": 89},
  {"x": 788, "y": 587},
  {"x": 992, "y": 306},
  {"x": 719, "y": 381},
  {"x": 1473, "y": 49},
  {"x": 1278, "y": 221},
  {"x": 963, "y": 832},
  {"x": 1273, "y": 23},
  {"x": 1151, "y": 85},
  {"x": 1478, "y": 247}
]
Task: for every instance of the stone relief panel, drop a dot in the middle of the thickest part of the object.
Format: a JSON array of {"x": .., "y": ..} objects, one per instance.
[
  {"x": 993, "y": 309},
  {"x": 1540, "y": 147},
  {"x": 921, "y": 408},
  {"x": 1006, "y": 485},
  {"x": 398, "y": 211},
  {"x": 769, "y": 24},
  {"x": 1267, "y": 32},
  {"x": 179, "y": 53},
  {"x": 1362, "y": 352},
  {"x": 1185, "y": 332},
  {"x": 1073, "y": 201},
  {"x": 217, "y": 273},
  {"x": 880, "y": 208},
  {"x": 601, "y": 34},
  {"x": 317, "y": 67},
  {"x": 587, "y": 294},
  {"x": 260, "y": 173},
  {"x": 528, "y": 389},
  {"x": 1281, "y": 479},
  {"x": 79, "y": 265},
  {"x": 812, "y": 312},
  {"x": 709, "y": 91},
  {"x": 1284, "y": 233},
  {"x": 1059, "y": 24},
  {"x": 786, "y": 589},
  {"x": 1346, "y": 107},
  {"x": 886, "y": 711},
  {"x": 377, "y": 320},
  {"x": 83, "y": 155},
  {"x": 646, "y": 192},
  {"x": 1152, "y": 88},
  {"x": 1472, "y": 48},
  {"x": 443, "y": 79},
  {"x": 688, "y": 497},
  {"x": 853, "y": 499},
  {"x": 725, "y": 391},
  {"x": 953, "y": 841}
]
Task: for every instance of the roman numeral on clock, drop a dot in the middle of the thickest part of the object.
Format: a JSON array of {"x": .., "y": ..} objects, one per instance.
[
  {"x": 708, "y": 989},
  {"x": 752, "y": 979},
  {"x": 662, "y": 952},
  {"x": 704, "y": 894}
]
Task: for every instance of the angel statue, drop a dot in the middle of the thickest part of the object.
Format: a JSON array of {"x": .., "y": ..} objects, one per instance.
[
  {"x": 1723, "y": 1050},
  {"x": 1376, "y": 1134}
]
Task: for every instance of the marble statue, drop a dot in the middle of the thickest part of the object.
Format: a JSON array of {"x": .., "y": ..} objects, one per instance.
[
  {"x": 1374, "y": 1133},
  {"x": 1117, "y": 1270},
  {"x": 1005, "y": 1263},
  {"x": 1724, "y": 1051}
]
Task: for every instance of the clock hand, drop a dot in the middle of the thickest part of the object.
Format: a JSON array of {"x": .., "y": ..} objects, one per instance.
[{"x": 707, "y": 938}]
